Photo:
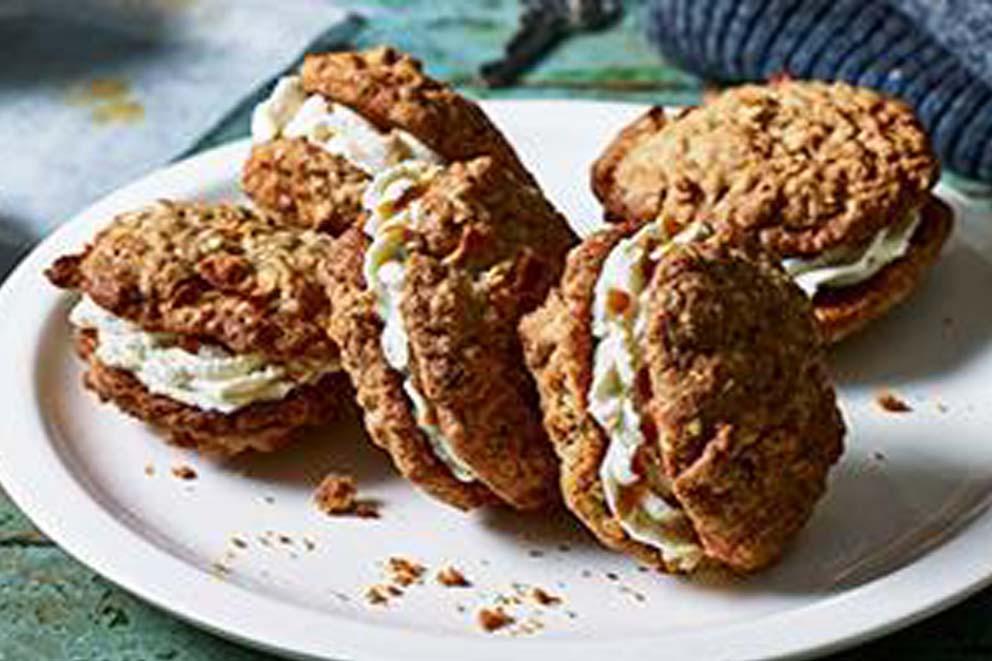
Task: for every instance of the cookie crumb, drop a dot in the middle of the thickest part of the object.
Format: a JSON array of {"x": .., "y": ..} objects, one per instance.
[
  {"x": 404, "y": 572},
  {"x": 149, "y": 470},
  {"x": 889, "y": 402},
  {"x": 452, "y": 578},
  {"x": 381, "y": 594},
  {"x": 494, "y": 619},
  {"x": 535, "y": 553},
  {"x": 337, "y": 495},
  {"x": 543, "y": 597},
  {"x": 184, "y": 472}
]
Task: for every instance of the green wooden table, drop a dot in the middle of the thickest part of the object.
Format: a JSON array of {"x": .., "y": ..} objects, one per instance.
[{"x": 51, "y": 607}]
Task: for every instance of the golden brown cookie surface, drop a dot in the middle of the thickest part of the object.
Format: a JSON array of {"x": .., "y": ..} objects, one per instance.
[
  {"x": 389, "y": 418},
  {"x": 216, "y": 272},
  {"x": 744, "y": 408},
  {"x": 806, "y": 166},
  {"x": 734, "y": 386},
  {"x": 304, "y": 185},
  {"x": 483, "y": 251}
]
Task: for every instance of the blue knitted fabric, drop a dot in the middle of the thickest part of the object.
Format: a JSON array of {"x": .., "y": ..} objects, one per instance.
[{"x": 934, "y": 55}]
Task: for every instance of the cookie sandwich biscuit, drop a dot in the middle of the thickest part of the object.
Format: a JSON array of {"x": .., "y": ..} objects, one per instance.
[
  {"x": 428, "y": 294},
  {"x": 684, "y": 388},
  {"x": 834, "y": 179},
  {"x": 207, "y": 321}
]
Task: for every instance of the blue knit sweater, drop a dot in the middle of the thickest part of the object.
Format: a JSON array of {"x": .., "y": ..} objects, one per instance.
[{"x": 935, "y": 54}]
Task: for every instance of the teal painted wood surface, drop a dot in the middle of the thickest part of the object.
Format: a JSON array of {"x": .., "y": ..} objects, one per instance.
[{"x": 52, "y": 607}]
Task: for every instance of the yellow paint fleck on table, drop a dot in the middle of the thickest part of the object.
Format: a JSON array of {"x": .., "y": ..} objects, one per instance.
[{"x": 109, "y": 100}]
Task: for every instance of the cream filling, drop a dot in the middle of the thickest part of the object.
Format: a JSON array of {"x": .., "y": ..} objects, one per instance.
[
  {"x": 619, "y": 333},
  {"x": 210, "y": 379},
  {"x": 290, "y": 113},
  {"x": 842, "y": 267},
  {"x": 384, "y": 269}
]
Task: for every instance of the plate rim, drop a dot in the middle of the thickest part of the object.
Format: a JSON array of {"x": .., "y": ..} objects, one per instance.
[{"x": 45, "y": 489}]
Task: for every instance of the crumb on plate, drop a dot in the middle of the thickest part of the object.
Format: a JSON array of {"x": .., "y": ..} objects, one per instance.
[
  {"x": 543, "y": 597},
  {"x": 452, "y": 578},
  {"x": 184, "y": 472},
  {"x": 403, "y": 571},
  {"x": 338, "y": 495},
  {"x": 891, "y": 403},
  {"x": 381, "y": 593},
  {"x": 494, "y": 619}
]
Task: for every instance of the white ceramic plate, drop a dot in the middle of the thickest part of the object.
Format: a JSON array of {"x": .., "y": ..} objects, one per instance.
[{"x": 903, "y": 532}]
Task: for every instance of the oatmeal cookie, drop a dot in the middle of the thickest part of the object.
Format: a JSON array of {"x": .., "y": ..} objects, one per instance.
[
  {"x": 821, "y": 173},
  {"x": 209, "y": 322},
  {"x": 737, "y": 418},
  {"x": 439, "y": 371}
]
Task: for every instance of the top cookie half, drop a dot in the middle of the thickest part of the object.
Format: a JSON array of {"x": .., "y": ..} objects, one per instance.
[
  {"x": 345, "y": 117},
  {"x": 219, "y": 273},
  {"x": 806, "y": 166}
]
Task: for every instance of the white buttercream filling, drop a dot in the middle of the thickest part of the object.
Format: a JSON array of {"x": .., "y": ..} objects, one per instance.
[
  {"x": 843, "y": 267},
  {"x": 210, "y": 379},
  {"x": 290, "y": 113},
  {"x": 619, "y": 333},
  {"x": 384, "y": 270}
]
